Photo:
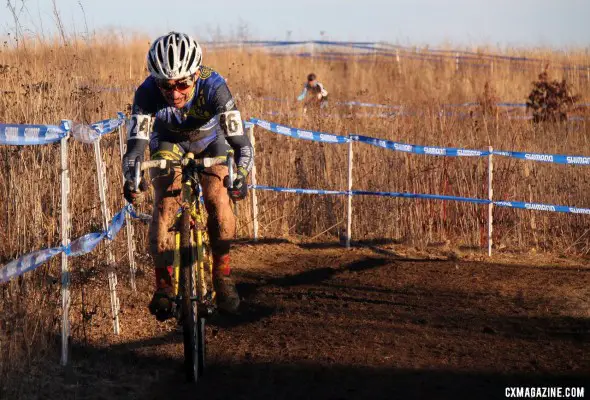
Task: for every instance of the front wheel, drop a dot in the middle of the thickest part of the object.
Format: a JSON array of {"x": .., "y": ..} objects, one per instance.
[{"x": 193, "y": 325}]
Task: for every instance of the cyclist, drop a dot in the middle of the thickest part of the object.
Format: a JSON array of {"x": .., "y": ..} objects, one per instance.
[
  {"x": 317, "y": 91},
  {"x": 185, "y": 106}
]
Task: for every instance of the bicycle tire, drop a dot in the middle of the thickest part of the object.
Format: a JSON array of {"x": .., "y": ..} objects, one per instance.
[{"x": 191, "y": 326}]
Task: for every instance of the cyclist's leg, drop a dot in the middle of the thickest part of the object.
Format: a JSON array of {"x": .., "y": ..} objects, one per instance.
[
  {"x": 221, "y": 221},
  {"x": 221, "y": 224},
  {"x": 166, "y": 191}
]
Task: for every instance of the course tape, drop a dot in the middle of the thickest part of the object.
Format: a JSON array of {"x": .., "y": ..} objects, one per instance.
[
  {"x": 542, "y": 207},
  {"x": 548, "y": 158},
  {"x": 420, "y": 196},
  {"x": 347, "y": 115},
  {"x": 368, "y": 193},
  {"x": 412, "y": 148},
  {"x": 108, "y": 125},
  {"x": 417, "y": 149},
  {"x": 91, "y": 133},
  {"x": 397, "y": 107},
  {"x": 501, "y": 104},
  {"x": 510, "y": 204},
  {"x": 299, "y": 133},
  {"x": 388, "y": 48},
  {"x": 298, "y": 191},
  {"x": 82, "y": 245},
  {"x": 340, "y": 103},
  {"x": 24, "y": 135},
  {"x": 360, "y": 104}
]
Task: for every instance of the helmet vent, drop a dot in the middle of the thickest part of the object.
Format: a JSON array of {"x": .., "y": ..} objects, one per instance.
[
  {"x": 171, "y": 57},
  {"x": 152, "y": 63},
  {"x": 160, "y": 55},
  {"x": 192, "y": 57},
  {"x": 182, "y": 50}
]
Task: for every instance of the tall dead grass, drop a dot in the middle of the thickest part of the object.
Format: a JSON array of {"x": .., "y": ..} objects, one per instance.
[{"x": 89, "y": 80}]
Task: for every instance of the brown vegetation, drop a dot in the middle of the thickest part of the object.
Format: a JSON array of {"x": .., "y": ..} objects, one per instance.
[{"x": 47, "y": 82}]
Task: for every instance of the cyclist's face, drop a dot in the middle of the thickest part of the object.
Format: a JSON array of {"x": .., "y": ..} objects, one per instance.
[
  {"x": 178, "y": 92},
  {"x": 312, "y": 83}
]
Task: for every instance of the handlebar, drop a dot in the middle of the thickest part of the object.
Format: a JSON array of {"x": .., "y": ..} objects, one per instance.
[{"x": 187, "y": 160}]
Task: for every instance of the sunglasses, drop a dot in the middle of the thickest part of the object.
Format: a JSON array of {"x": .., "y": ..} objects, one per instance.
[{"x": 179, "y": 85}]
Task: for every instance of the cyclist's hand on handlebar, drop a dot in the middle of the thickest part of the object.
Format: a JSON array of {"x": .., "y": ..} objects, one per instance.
[
  {"x": 239, "y": 188},
  {"x": 131, "y": 195}
]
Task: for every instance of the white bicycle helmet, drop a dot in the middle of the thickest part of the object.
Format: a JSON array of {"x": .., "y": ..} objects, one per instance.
[{"x": 174, "y": 56}]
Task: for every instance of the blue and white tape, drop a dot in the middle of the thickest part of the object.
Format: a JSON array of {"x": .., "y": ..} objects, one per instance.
[
  {"x": 298, "y": 191},
  {"x": 473, "y": 104},
  {"x": 420, "y": 196},
  {"x": 360, "y": 104},
  {"x": 387, "y": 49},
  {"x": 368, "y": 193},
  {"x": 24, "y": 135},
  {"x": 299, "y": 133},
  {"x": 107, "y": 125},
  {"x": 27, "y": 263},
  {"x": 393, "y": 114},
  {"x": 542, "y": 207},
  {"x": 411, "y": 148},
  {"x": 510, "y": 204},
  {"x": 82, "y": 245},
  {"x": 456, "y": 152},
  {"x": 91, "y": 133},
  {"x": 341, "y": 103},
  {"x": 450, "y": 54},
  {"x": 548, "y": 158},
  {"x": 417, "y": 149}
]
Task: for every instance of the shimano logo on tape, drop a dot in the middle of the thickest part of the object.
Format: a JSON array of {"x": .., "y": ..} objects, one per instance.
[
  {"x": 539, "y": 157},
  {"x": 539, "y": 207}
]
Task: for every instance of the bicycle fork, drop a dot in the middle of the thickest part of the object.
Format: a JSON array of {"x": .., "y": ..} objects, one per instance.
[{"x": 202, "y": 264}]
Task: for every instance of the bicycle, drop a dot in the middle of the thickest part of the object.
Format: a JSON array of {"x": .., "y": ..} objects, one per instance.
[{"x": 194, "y": 295}]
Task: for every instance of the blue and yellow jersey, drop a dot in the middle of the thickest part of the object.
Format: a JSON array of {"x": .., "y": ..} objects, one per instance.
[{"x": 203, "y": 121}]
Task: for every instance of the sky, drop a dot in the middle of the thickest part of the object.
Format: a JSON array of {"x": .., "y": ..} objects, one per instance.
[{"x": 497, "y": 23}]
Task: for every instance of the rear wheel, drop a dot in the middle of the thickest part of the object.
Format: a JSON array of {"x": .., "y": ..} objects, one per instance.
[{"x": 193, "y": 326}]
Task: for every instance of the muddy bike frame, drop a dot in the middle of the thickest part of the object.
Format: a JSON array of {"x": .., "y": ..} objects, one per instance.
[{"x": 194, "y": 296}]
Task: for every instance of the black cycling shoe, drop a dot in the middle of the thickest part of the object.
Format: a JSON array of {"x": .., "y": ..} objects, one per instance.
[{"x": 161, "y": 305}]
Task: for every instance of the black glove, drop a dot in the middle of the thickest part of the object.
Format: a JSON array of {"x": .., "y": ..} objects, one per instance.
[
  {"x": 131, "y": 195},
  {"x": 239, "y": 189},
  {"x": 128, "y": 164}
]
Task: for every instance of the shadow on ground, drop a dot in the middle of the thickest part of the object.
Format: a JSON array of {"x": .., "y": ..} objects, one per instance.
[{"x": 163, "y": 379}]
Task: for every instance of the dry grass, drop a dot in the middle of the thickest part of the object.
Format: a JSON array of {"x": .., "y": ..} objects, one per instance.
[{"x": 48, "y": 82}]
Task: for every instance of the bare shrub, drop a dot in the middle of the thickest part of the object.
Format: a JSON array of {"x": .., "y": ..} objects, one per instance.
[{"x": 550, "y": 101}]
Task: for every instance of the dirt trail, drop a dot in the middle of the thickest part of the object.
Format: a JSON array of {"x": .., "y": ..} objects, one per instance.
[{"x": 321, "y": 322}]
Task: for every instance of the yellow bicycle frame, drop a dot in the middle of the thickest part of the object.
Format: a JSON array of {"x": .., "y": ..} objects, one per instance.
[{"x": 204, "y": 258}]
